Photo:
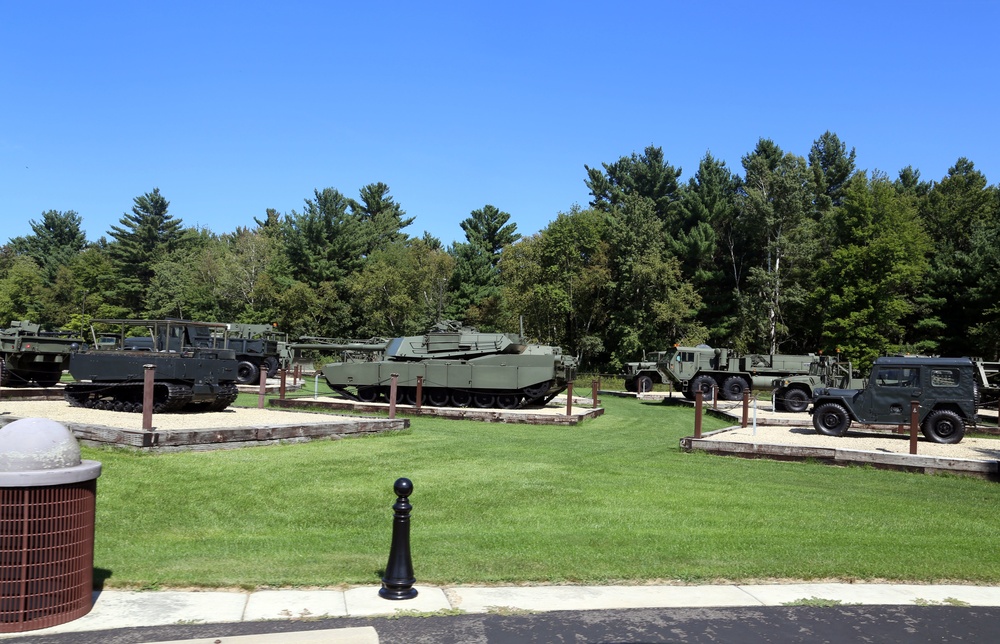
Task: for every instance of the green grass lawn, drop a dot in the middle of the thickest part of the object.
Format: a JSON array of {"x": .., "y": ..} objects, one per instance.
[{"x": 612, "y": 499}]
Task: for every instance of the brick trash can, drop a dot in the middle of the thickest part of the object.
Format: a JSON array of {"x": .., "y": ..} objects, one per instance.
[{"x": 47, "y": 503}]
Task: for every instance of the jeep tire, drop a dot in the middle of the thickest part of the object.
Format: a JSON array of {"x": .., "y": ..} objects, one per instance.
[
  {"x": 796, "y": 400},
  {"x": 944, "y": 426},
  {"x": 831, "y": 419}
]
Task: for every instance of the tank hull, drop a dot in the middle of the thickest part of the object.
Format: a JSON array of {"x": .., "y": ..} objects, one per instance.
[{"x": 501, "y": 380}]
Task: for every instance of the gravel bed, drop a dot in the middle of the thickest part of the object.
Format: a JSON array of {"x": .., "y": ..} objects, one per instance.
[
  {"x": 978, "y": 449},
  {"x": 62, "y": 412}
]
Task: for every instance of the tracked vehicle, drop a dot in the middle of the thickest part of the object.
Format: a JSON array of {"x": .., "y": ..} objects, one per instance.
[
  {"x": 459, "y": 367},
  {"x": 187, "y": 376},
  {"x": 29, "y": 354},
  {"x": 258, "y": 347}
]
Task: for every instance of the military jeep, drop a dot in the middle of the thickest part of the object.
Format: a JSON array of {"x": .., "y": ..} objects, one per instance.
[{"x": 945, "y": 389}]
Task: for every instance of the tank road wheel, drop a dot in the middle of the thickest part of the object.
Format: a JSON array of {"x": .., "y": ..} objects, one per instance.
[
  {"x": 460, "y": 398},
  {"x": 368, "y": 394},
  {"x": 534, "y": 392},
  {"x": 247, "y": 373},
  {"x": 831, "y": 419},
  {"x": 484, "y": 400},
  {"x": 643, "y": 384},
  {"x": 508, "y": 401},
  {"x": 703, "y": 383},
  {"x": 733, "y": 388},
  {"x": 796, "y": 401},
  {"x": 944, "y": 426},
  {"x": 437, "y": 397}
]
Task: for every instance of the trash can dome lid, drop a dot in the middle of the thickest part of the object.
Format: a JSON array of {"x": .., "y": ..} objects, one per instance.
[{"x": 37, "y": 444}]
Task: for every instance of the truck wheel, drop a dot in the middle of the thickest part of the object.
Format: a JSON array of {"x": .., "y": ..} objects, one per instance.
[
  {"x": 944, "y": 426},
  {"x": 796, "y": 401},
  {"x": 630, "y": 385},
  {"x": 703, "y": 384},
  {"x": 733, "y": 388},
  {"x": 272, "y": 366},
  {"x": 247, "y": 373},
  {"x": 831, "y": 419},
  {"x": 643, "y": 384}
]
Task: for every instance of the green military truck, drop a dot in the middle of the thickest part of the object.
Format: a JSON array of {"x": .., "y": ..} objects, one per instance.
[
  {"x": 29, "y": 354},
  {"x": 794, "y": 393},
  {"x": 702, "y": 368},
  {"x": 946, "y": 390}
]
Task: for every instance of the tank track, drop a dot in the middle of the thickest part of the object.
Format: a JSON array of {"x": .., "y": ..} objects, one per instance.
[
  {"x": 127, "y": 397},
  {"x": 539, "y": 394},
  {"x": 226, "y": 396}
]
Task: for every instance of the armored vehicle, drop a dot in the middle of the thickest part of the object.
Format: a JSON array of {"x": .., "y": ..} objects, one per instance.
[
  {"x": 794, "y": 393},
  {"x": 258, "y": 347},
  {"x": 188, "y": 376},
  {"x": 459, "y": 365},
  {"x": 28, "y": 354},
  {"x": 703, "y": 368},
  {"x": 945, "y": 389}
]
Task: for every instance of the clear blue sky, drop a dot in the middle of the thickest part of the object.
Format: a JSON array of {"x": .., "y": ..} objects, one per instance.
[{"x": 230, "y": 108}]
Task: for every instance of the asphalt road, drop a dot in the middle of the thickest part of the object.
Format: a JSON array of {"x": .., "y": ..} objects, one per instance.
[{"x": 882, "y": 624}]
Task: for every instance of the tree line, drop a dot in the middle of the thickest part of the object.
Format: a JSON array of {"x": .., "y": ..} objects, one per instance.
[{"x": 790, "y": 254}]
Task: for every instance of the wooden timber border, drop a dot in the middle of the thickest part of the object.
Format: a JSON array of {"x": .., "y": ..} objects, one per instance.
[
  {"x": 545, "y": 416},
  {"x": 985, "y": 469}
]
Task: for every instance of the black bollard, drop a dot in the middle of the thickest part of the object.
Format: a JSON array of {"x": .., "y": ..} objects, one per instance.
[{"x": 398, "y": 580}]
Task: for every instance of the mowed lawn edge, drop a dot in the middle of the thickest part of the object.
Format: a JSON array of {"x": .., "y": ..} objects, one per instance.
[{"x": 611, "y": 500}]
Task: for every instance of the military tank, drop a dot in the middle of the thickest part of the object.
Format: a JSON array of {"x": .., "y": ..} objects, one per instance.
[
  {"x": 459, "y": 365},
  {"x": 29, "y": 354},
  {"x": 110, "y": 374}
]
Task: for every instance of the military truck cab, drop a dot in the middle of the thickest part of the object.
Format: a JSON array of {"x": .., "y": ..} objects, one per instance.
[{"x": 944, "y": 388}]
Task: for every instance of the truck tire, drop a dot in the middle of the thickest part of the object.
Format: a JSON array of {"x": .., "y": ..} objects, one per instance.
[
  {"x": 944, "y": 426},
  {"x": 831, "y": 419},
  {"x": 796, "y": 401},
  {"x": 643, "y": 384},
  {"x": 273, "y": 366},
  {"x": 733, "y": 388},
  {"x": 247, "y": 373},
  {"x": 703, "y": 383}
]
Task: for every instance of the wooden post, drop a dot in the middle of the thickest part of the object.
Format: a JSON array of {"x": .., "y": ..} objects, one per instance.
[
  {"x": 746, "y": 408},
  {"x": 569, "y": 398},
  {"x": 392, "y": 394},
  {"x": 593, "y": 387},
  {"x": 281, "y": 389},
  {"x": 263, "y": 388},
  {"x": 698, "y": 400},
  {"x": 148, "y": 376},
  {"x": 914, "y": 416},
  {"x": 420, "y": 390}
]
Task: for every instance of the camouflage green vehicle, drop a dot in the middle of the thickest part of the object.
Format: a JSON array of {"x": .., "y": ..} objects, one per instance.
[
  {"x": 945, "y": 388},
  {"x": 794, "y": 393},
  {"x": 702, "y": 368},
  {"x": 28, "y": 354},
  {"x": 459, "y": 365},
  {"x": 190, "y": 373}
]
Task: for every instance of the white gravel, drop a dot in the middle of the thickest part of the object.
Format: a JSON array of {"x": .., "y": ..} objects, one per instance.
[
  {"x": 62, "y": 412},
  {"x": 979, "y": 449}
]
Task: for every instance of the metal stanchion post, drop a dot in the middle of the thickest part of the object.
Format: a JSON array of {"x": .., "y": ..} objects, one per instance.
[{"x": 698, "y": 401}]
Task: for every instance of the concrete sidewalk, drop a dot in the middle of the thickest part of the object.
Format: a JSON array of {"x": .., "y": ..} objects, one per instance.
[{"x": 122, "y": 609}]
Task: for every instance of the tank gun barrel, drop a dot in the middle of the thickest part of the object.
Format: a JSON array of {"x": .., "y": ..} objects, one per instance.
[{"x": 306, "y": 343}]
